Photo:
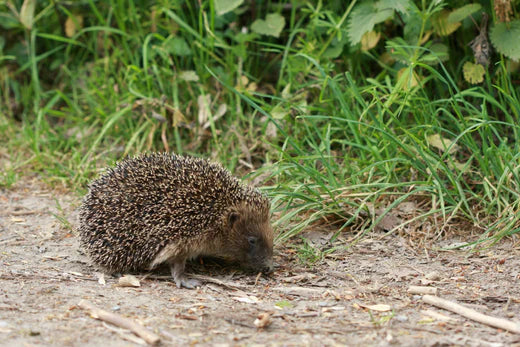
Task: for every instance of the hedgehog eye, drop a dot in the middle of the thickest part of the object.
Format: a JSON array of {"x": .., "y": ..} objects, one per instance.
[{"x": 252, "y": 241}]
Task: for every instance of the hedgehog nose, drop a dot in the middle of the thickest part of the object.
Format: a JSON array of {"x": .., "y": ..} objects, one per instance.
[{"x": 268, "y": 268}]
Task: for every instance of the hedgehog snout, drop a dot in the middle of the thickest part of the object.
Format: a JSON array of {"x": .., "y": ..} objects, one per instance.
[{"x": 268, "y": 267}]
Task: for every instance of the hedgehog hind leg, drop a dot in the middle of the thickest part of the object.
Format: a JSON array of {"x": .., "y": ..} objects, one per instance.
[
  {"x": 175, "y": 255},
  {"x": 179, "y": 277}
]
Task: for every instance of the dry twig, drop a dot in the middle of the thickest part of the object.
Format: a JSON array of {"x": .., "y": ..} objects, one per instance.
[
  {"x": 120, "y": 321},
  {"x": 472, "y": 314}
]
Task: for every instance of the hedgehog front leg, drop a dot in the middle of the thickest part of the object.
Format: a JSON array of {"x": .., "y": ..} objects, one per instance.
[{"x": 180, "y": 279}]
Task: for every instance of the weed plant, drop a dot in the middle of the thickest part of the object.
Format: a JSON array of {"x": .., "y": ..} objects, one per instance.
[{"x": 340, "y": 135}]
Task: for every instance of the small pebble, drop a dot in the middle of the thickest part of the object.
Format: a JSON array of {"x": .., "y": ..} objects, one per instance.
[
  {"x": 433, "y": 276},
  {"x": 401, "y": 318},
  {"x": 116, "y": 308}
]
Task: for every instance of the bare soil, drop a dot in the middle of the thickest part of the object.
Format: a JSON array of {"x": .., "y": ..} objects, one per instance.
[{"x": 353, "y": 297}]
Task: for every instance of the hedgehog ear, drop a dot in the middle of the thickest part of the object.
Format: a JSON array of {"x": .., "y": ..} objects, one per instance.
[{"x": 233, "y": 218}]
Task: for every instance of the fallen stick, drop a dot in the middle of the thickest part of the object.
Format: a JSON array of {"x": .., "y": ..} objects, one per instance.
[
  {"x": 422, "y": 290},
  {"x": 472, "y": 314},
  {"x": 119, "y": 321}
]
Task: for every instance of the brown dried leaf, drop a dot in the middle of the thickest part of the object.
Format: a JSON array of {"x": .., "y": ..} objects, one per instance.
[
  {"x": 250, "y": 299},
  {"x": 204, "y": 102},
  {"x": 442, "y": 143},
  {"x": 370, "y": 40},
  {"x": 388, "y": 222},
  {"x": 128, "y": 281},
  {"x": 73, "y": 24},
  {"x": 263, "y": 320},
  {"x": 377, "y": 307}
]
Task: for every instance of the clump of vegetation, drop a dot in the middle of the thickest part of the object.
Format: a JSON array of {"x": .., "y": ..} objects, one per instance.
[{"x": 392, "y": 115}]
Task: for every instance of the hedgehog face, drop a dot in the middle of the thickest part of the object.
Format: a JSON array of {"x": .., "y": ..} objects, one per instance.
[{"x": 252, "y": 238}]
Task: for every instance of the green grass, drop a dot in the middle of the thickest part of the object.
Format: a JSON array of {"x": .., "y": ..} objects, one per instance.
[{"x": 332, "y": 139}]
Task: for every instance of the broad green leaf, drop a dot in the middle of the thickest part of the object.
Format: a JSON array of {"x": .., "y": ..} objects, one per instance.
[
  {"x": 473, "y": 73},
  {"x": 504, "y": 37},
  {"x": 27, "y": 13},
  {"x": 333, "y": 51},
  {"x": 8, "y": 21},
  {"x": 278, "y": 112},
  {"x": 177, "y": 46},
  {"x": 399, "y": 5},
  {"x": 463, "y": 12},
  {"x": 189, "y": 76},
  {"x": 439, "y": 53},
  {"x": 225, "y": 6},
  {"x": 272, "y": 25},
  {"x": 440, "y": 23},
  {"x": 363, "y": 18}
]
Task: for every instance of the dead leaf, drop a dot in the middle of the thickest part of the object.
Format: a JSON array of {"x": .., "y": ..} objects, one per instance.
[
  {"x": 128, "y": 281},
  {"x": 204, "y": 102},
  {"x": 247, "y": 299},
  {"x": 389, "y": 222},
  {"x": 101, "y": 279},
  {"x": 433, "y": 276},
  {"x": 438, "y": 316},
  {"x": 408, "y": 81},
  {"x": 442, "y": 143},
  {"x": 73, "y": 24},
  {"x": 377, "y": 307},
  {"x": 407, "y": 207},
  {"x": 369, "y": 40},
  {"x": 263, "y": 320},
  {"x": 189, "y": 76}
]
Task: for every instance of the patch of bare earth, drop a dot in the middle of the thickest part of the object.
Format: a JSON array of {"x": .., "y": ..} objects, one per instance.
[{"x": 354, "y": 297}]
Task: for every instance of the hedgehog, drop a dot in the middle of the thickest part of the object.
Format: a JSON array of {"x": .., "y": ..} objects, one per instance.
[{"x": 166, "y": 208}]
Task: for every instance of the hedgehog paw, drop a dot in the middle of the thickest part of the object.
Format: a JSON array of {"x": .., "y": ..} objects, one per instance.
[
  {"x": 187, "y": 283},
  {"x": 180, "y": 279}
]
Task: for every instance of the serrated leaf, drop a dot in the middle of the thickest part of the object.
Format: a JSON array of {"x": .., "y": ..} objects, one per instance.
[
  {"x": 272, "y": 25},
  {"x": 370, "y": 40},
  {"x": 440, "y": 23},
  {"x": 225, "y": 6},
  {"x": 442, "y": 143},
  {"x": 27, "y": 13},
  {"x": 473, "y": 73},
  {"x": 363, "y": 18},
  {"x": 462, "y": 12},
  {"x": 399, "y": 5},
  {"x": 504, "y": 37}
]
